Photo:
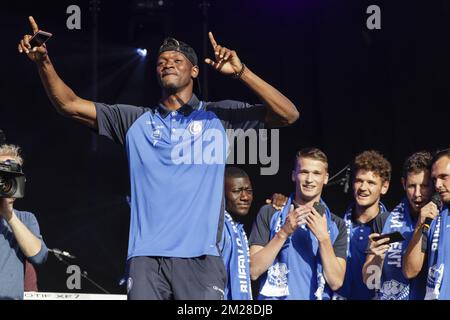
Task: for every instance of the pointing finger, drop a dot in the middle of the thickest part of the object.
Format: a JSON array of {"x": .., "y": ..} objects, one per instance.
[
  {"x": 212, "y": 40},
  {"x": 33, "y": 24}
]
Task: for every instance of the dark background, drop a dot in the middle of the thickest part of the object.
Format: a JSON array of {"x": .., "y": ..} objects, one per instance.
[{"x": 356, "y": 89}]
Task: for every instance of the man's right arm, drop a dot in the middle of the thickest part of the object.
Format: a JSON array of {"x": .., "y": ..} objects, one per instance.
[
  {"x": 66, "y": 102},
  {"x": 262, "y": 257},
  {"x": 62, "y": 97}
]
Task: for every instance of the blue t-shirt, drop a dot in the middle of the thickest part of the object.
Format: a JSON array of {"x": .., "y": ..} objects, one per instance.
[
  {"x": 12, "y": 260},
  {"x": 176, "y": 163}
]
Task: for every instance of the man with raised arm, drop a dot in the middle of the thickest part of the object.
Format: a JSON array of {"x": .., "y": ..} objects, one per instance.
[{"x": 176, "y": 152}]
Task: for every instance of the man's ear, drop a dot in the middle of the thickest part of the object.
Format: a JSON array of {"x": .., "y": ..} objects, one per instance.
[
  {"x": 195, "y": 71},
  {"x": 404, "y": 183},
  {"x": 327, "y": 176},
  {"x": 385, "y": 187}
]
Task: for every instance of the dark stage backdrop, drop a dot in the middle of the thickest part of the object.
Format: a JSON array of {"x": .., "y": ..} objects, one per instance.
[{"x": 356, "y": 89}]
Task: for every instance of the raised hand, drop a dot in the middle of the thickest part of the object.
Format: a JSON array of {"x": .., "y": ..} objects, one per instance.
[
  {"x": 37, "y": 53},
  {"x": 317, "y": 223},
  {"x": 278, "y": 201},
  {"x": 225, "y": 60},
  {"x": 430, "y": 210},
  {"x": 6, "y": 208},
  {"x": 294, "y": 219},
  {"x": 379, "y": 247}
]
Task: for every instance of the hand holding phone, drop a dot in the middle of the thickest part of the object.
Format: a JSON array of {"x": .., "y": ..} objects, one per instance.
[
  {"x": 393, "y": 237},
  {"x": 34, "y": 45},
  {"x": 380, "y": 249},
  {"x": 39, "y": 38},
  {"x": 320, "y": 208}
]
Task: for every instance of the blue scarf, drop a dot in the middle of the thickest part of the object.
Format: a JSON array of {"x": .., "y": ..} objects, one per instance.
[
  {"x": 436, "y": 257},
  {"x": 353, "y": 272},
  {"x": 394, "y": 285},
  {"x": 276, "y": 283},
  {"x": 236, "y": 256}
]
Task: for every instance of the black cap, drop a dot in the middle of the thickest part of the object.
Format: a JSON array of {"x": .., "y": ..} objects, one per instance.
[{"x": 172, "y": 44}]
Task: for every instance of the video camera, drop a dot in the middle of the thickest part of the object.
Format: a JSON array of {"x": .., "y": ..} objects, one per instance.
[{"x": 12, "y": 180}]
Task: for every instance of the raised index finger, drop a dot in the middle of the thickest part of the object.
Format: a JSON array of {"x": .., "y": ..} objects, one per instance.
[
  {"x": 212, "y": 40},
  {"x": 33, "y": 24}
]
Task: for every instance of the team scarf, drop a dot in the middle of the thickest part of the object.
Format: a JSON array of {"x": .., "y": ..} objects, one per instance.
[
  {"x": 238, "y": 284},
  {"x": 394, "y": 285},
  {"x": 344, "y": 292},
  {"x": 276, "y": 284},
  {"x": 436, "y": 256}
]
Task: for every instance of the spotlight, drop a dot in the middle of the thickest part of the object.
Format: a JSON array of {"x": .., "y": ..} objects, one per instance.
[{"x": 141, "y": 52}]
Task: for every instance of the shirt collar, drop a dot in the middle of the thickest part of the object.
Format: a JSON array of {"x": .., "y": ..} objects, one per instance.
[{"x": 186, "y": 109}]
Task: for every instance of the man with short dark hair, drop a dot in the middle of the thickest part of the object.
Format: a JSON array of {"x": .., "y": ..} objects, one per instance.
[
  {"x": 235, "y": 251},
  {"x": 437, "y": 238},
  {"x": 176, "y": 153},
  {"x": 300, "y": 250},
  {"x": 384, "y": 262},
  {"x": 371, "y": 176}
]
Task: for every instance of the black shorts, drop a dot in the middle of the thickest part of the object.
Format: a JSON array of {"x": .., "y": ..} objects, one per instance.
[{"x": 163, "y": 278}]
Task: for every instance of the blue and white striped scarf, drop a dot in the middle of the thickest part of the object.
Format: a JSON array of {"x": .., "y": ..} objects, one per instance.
[
  {"x": 394, "y": 285},
  {"x": 436, "y": 256},
  {"x": 236, "y": 256},
  {"x": 276, "y": 284}
]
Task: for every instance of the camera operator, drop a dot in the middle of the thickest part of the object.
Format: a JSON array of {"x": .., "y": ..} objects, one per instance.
[{"x": 20, "y": 238}]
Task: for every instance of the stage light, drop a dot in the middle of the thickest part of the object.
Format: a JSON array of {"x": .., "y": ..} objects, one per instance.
[{"x": 141, "y": 52}]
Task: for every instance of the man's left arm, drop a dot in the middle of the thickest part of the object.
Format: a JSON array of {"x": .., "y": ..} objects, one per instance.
[
  {"x": 280, "y": 110},
  {"x": 333, "y": 266},
  {"x": 29, "y": 244}
]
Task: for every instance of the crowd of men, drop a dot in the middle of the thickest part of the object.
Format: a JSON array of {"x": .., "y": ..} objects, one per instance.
[{"x": 187, "y": 239}]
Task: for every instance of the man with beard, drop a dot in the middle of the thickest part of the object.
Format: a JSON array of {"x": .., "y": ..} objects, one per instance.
[
  {"x": 435, "y": 255},
  {"x": 384, "y": 262}
]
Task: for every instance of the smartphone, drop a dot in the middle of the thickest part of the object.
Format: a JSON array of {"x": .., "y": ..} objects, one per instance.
[
  {"x": 39, "y": 38},
  {"x": 393, "y": 237},
  {"x": 320, "y": 208}
]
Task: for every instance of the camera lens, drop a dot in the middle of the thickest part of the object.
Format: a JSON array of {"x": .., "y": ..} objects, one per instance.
[{"x": 7, "y": 187}]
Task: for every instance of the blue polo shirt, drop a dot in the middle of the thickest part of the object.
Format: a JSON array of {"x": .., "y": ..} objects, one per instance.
[
  {"x": 176, "y": 162},
  {"x": 12, "y": 260},
  {"x": 354, "y": 287}
]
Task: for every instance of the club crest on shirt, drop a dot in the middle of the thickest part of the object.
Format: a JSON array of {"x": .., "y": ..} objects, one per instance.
[
  {"x": 195, "y": 127},
  {"x": 394, "y": 290},
  {"x": 156, "y": 134},
  {"x": 435, "y": 274},
  {"x": 277, "y": 275}
]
